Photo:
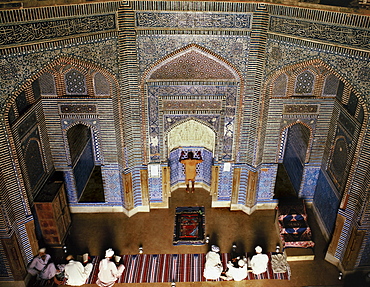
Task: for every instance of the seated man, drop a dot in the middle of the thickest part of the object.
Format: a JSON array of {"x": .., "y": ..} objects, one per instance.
[
  {"x": 108, "y": 270},
  {"x": 213, "y": 266},
  {"x": 259, "y": 262},
  {"x": 42, "y": 266},
  {"x": 279, "y": 263},
  {"x": 75, "y": 273},
  {"x": 236, "y": 273}
]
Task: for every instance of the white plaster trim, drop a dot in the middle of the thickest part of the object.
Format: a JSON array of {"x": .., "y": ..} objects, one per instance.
[
  {"x": 106, "y": 209},
  {"x": 138, "y": 209},
  {"x": 245, "y": 209},
  {"x": 96, "y": 209},
  {"x": 331, "y": 259},
  {"x": 159, "y": 205},
  {"x": 220, "y": 204},
  {"x": 262, "y": 206}
]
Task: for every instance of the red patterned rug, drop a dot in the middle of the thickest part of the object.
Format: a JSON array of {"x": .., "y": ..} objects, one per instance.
[
  {"x": 189, "y": 226},
  {"x": 151, "y": 268}
]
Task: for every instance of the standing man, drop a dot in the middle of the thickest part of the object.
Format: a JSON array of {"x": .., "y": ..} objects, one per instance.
[
  {"x": 42, "y": 266},
  {"x": 190, "y": 169},
  {"x": 75, "y": 273}
]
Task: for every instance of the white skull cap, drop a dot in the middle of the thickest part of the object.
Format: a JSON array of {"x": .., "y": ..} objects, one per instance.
[
  {"x": 109, "y": 253},
  {"x": 241, "y": 262},
  {"x": 42, "y": 250},
  {"x": 258, "y": 249},
  {"x": 215, "y": 248}
]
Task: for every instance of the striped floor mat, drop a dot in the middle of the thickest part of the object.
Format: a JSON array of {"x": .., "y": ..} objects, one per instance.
[{"x": 151, "y": 268}]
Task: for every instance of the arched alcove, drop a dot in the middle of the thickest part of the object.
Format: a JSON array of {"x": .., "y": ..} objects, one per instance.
[
  {"x": 191, "y": 133},
  {"x": 192, "y": 136},
  {"x": 191, "y": 83}
]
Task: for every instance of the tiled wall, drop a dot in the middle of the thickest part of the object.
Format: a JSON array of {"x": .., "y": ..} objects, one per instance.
[
  {"x": 326, "y": 200},
  {"x": 203, "y": 168},
  {"x": 129, "y": 40}
]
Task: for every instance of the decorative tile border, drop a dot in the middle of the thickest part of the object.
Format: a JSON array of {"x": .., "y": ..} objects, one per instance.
[
  {"x": 78, "y": 109},
  {"x": 192, "y": 105},
  {"x": 193, "y": 20},
  {"x": 300, "y": 109},
  {"x": 338, "y": 34},
  {"x": 46, "y": 30}
]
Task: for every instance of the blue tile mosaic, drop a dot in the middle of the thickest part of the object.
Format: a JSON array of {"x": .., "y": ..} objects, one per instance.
[
  {"x": 309, "y": 182},
  {"x": 203, "y": 169},
  {"x": 326, "y": 201},
  {"x": 266, "y": 183}
]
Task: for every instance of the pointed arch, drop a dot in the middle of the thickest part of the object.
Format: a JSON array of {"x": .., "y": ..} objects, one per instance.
[
  {"x": 192, "y": 62},
  {"x": 191, "y": 133},
  {"x": 203, "y": 68},
  {"x": 284, "y": 137},
  {"x": 296, "y": 153}
]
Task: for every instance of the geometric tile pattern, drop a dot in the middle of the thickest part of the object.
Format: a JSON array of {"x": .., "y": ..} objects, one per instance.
[
  {"x": 177, "y": 169},
  {"x": 266, "y": 183},
  {"x": 193, "y": 66},
  {"x": 155, "y": 189},
  {"x": 350, "y": 67},
  {"x": 309, "y": 183},
  {"x": 326, "y": 201},
  {"x": 153, "y": 48},
  {"x": 243, "y": 49},
  {"x": 242, "y": 193},
  {"x": 225, "y": 184},
  {"x": 195, "y": 93}
]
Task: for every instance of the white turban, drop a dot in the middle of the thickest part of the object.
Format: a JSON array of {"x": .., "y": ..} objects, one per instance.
[
  {"x": 109, "y": 253},
  {"x": 215, "y": 248},
  {"x": 117, "y": 258},
  {"x": 258, "y": 249},
  {"x": 241, "y": 262},
  {"x": 42, "y": 250}
]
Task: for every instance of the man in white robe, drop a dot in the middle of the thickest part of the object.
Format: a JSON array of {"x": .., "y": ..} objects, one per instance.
[
  {"x": 236, "y": 273},
  {"x": 108, "y": 271},
  {"x": 75, "y": 273},
  {"x": 41, "y": 266},
  {"x": 213, "y": 265},
  {"x": 259, "y": 261}
]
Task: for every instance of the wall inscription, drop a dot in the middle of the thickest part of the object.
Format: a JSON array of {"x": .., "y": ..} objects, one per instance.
[
  {"x": 324, "y": 32},
  {"x": 28, "y": 32},
  {"x": 185, "y": 20}
]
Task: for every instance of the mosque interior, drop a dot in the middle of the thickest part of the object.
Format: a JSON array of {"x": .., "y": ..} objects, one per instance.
[{"x": 100, "y": 99}]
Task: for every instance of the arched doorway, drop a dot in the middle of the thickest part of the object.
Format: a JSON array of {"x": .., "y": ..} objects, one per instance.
[
  {"x": 293, "y": 156},
  {"x": 86, "y": 173},
  {"x": 194, "y": 136}
]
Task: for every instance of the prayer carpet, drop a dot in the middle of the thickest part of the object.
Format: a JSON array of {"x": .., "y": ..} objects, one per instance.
[
  {"x": 189, "y": 226},
  {"x": 151, "y": 268}
]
